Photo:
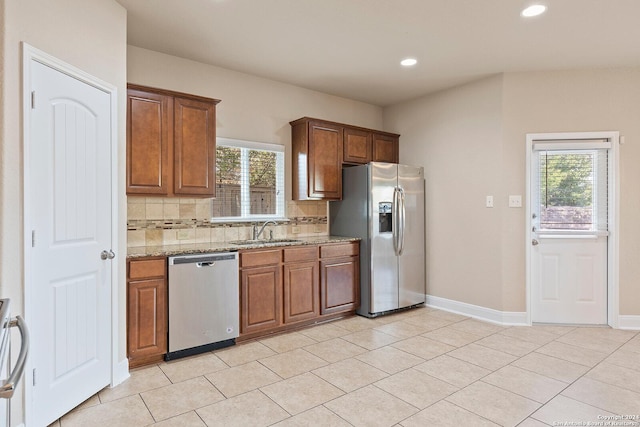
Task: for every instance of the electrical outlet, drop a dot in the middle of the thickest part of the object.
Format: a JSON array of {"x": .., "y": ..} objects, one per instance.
[
  {"x": 515, "y": 201},
  {"x": 183, "y": 234},
  {"x": 489, "y": 202},
  {"x": 295, "y": 229}
]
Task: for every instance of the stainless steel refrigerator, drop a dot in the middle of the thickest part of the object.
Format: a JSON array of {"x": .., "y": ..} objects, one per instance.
[{"x": 383, "y": 204}]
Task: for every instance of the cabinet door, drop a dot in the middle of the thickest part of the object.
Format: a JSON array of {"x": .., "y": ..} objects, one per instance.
[
  {"x": 194, "y": 147},
  {"x": 385, "y": 148},
  {"x": 301, "y": 291},
  {"x": 148, "y": 131},
  {"x": 357, "y": 146},
  {"x": 147, "y": 318},
  {"x": 261, "y": 299},
  {"x": 339, "y": 284},
  {"x": 325, "y": 161}
]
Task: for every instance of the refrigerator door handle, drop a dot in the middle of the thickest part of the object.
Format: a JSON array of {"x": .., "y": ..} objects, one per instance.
[
  {"x": 403, "y": 217},
  {"x": 395, "y": 220},
  {"x": 9, "y": 386}
]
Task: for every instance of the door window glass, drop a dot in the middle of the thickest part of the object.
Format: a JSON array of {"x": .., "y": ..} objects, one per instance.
[{"x": 572, "y": 190}]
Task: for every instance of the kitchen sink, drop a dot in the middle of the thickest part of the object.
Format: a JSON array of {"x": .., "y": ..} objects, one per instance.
[{"x": 263, "y": 242}]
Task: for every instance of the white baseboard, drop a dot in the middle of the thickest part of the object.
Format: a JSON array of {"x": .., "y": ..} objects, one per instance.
[
  {"x": 510, "y": 318},
  {"x": 629, "y": 322},
  {"x": 120, "y": 372}
]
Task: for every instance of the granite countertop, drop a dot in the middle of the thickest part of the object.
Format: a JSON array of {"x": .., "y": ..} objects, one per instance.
[{"x": 198, "y": 248}]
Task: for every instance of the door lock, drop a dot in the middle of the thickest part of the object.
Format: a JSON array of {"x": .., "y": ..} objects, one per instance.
[
  {"x": 107, "y": 254},
  {"x": 535, "y": 242}
]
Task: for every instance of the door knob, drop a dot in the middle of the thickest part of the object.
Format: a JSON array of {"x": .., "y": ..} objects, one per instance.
[
  {"x": 107, "y": 254},
  {"x": 534, "y": 242}
]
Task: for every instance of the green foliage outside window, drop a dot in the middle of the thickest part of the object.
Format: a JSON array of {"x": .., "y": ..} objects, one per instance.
[{"x": 566, "y": 180}]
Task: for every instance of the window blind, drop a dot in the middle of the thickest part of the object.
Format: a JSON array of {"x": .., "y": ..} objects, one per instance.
[
  {"x": 572, "y": 189},
  {"x": 249, "y": 181}
]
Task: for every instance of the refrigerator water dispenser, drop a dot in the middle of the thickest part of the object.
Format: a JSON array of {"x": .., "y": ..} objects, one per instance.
[{"x": 384, "y": 217}]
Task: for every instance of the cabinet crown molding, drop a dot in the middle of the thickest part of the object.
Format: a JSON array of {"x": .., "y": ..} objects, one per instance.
[
  {"x": 167, "y": 92},
  {"x": 313, "y": 119}
]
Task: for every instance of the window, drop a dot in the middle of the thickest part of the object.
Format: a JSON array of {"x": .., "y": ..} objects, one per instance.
[
  {"x": 249, "y": 181},
  {"x": 573, "y": 190}
]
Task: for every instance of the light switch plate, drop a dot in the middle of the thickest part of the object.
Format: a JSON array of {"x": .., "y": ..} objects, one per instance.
[
  {"x": 295, "y": 229},
  {"x": 489, "y": 202},
  {"x": 515, "y": 201}
]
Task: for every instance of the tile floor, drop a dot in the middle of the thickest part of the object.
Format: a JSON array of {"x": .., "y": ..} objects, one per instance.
[{"x": 421, "y": 367}]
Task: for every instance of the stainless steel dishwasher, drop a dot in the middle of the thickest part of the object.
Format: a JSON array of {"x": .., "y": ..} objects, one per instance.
[{"x": 204, "y": 306}]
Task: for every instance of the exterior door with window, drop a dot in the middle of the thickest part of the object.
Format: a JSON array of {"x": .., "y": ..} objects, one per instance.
[{"x": 569, "y": 223}]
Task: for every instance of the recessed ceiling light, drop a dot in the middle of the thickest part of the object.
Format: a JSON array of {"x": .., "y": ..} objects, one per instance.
[
  {"x": 408, "y": 62},
  {"x": 533, "y": 10}
]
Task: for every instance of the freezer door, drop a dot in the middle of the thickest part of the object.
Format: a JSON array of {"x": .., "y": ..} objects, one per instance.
[
  {"x": 412, "y": 280},
  {"x": 384, "y": 263}
]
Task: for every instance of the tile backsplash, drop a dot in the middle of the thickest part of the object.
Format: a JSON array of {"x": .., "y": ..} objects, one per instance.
[{"x": 154, "y": 221}]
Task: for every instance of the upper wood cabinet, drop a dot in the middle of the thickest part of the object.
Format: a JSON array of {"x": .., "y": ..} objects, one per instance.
[
  {"x": 316, "y": 160},
  {"x": 171, "y": 141},
  {"x": 148, "y": 130},
  {"x": 357, "y": 146},
  {"x": 385, "y": 148},
  {"x": 194, "y": 147},
  {"x": 320, "y": 148}
]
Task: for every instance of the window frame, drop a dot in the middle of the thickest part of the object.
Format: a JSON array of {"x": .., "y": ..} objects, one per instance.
[
  {"x": 245, "y": 206},
  {"x": 600, "y": 187}
]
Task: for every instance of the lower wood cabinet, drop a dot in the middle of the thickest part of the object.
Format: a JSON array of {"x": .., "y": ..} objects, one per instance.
[
  {"x": 260, "y": 290},
  {"x": 300, "y": 284},
  {"x": 280, "y": 288},
  {"x": 261, "y": 296},
  {"x": 147, "y": 323},
  {"x": 339, "y": 278}
]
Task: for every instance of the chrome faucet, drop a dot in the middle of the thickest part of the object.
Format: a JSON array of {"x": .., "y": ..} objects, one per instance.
[{"x": 256, "y": 234}]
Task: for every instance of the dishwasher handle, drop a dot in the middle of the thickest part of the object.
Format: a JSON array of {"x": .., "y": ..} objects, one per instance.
[
  {"x": 205, "y": 264},
  {"x": 206, "y": 260}
]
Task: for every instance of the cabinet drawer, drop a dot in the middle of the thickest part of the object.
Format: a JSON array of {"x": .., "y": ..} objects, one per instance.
[
  {"x": 331, "y": 251},
  {"x": 305, "y": 253},
  {"x": 139, "y": 269},
  {"x": 258, "y": 258}
]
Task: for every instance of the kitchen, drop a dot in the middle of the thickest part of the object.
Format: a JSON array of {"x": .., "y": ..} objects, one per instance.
[{"x": 493, "y": 111}]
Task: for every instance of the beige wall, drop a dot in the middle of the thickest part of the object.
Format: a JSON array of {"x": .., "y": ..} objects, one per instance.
[
  {"x": 471, "y": 140},
  {"x": 587, "y": 100},
  {"x": 456, "y": 135},
  {"x": 90, "y": 36},
  {"x": 252, "y": 108}
]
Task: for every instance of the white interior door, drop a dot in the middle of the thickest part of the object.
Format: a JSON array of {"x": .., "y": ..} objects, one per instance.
[
  {"x": 569, "y": 223},
  {"x": 69, "y": 195}
]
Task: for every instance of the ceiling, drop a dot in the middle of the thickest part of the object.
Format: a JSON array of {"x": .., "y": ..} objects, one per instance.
[{"x": 352, "y": 48}]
